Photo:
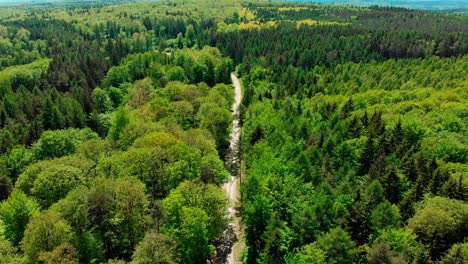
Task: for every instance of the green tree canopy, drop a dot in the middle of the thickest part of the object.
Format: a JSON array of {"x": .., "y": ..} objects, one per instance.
[
  {"x": 155, "y": 248},
  {"x": 385, "y": 215},
  {"x": 15, "y": 213},
  {"x": 56, "y": 144},
  {"x": 438, "y": 223},
  {"x": 338, "y": 246},
  {"x": 208, "y": 198},
  {"x": 46, "y": 231}
]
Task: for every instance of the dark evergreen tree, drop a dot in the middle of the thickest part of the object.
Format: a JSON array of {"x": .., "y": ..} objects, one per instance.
[
  {"x": 391, "y": 185},
  {"x": 51, "y": 117},
  {"x": 367, "y": 157},
  {"x": 347, "y": 109},
  {"x": 6, "y": 187}
]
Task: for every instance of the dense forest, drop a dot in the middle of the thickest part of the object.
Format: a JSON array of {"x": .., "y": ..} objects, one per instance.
[
  {"x": 115, "y": 127},
  {"x": 445, "y": 5}
]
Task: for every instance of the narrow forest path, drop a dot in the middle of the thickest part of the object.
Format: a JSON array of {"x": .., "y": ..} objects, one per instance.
[{"x": 232, "y": 186}]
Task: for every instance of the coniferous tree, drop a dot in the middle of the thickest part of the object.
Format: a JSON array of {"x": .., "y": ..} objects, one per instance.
[
  {"x": 391, "y": 184},
  {"x": 367, "y": 157},
  {"x": 5, "y": 187},
  {"x": 376, "y": 125},
  {"x": 347, "y": 109},
  {"x": 358, "y": 223},
  {"x": 51, "y": 117}
]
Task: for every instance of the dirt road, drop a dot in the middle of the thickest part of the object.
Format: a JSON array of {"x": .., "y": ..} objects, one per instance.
[{"x": 232, "y": 187}]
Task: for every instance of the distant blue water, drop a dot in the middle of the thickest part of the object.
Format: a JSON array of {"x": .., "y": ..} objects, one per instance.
[
  {"x": 415, "y": 4},
  {"x": 65, "y": 1}
]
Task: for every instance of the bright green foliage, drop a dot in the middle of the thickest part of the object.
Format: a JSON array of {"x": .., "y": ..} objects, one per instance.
[
  {"x": 56, "y": 144},
  {"x": 385, "y": 215},
  {"x": 116, "y": 76},
  {"x": 120, "y": 120},
  {"x": 277, "y": 239},
  {"x": 117, "y": 211},
  {"x": 131, "y": 203},
  {"x": 189, "y": 36},
  {"x": 51, "y": 180},
  {"x": 116, "y": 95},
  {"x": 360, "y": 131},
  {"x": 207, "y": 198},
  {"x": 217, "y": 120},
  {"x": 8, "y": 254},
  {"x": 55, "y": 182},
  {"x": 156, "y": 132},
  {"x": 348, "y": 113},
  {"x": 46, "y": 231},
  {"x": 309, "y": 254},
  {"x": 193, "y": 237},
  {"x": 439, "y": 223},
  {"x": 400, "y": 240},
  {"x": 175, "y": 102},
  {"x": 95, "y": 149},
  {"x": 457, "y": 254},
  {"x": 155, "y": 248},
  {"x": 74, "y": 208},
  {"x": 16, "y": 161},
  {"x": 338, "y": 246},
  {"x": 257, "y": 214},
  {"x": 182, "y": 111},
  {"x": 147, "y": 161},
  {"x": 176, "y": 74},
  {"x": 374, "y": 194},
  {"x": 402, "y": 244},
  {"x": 162, "y": 161},
  {"x": 102, "y": 102},
  {"x": 455, "y": 185},
  {"x": 15, "y": 213},
  {"x": 312, "y": 217},
  {"x": 212, "y": 170}
]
